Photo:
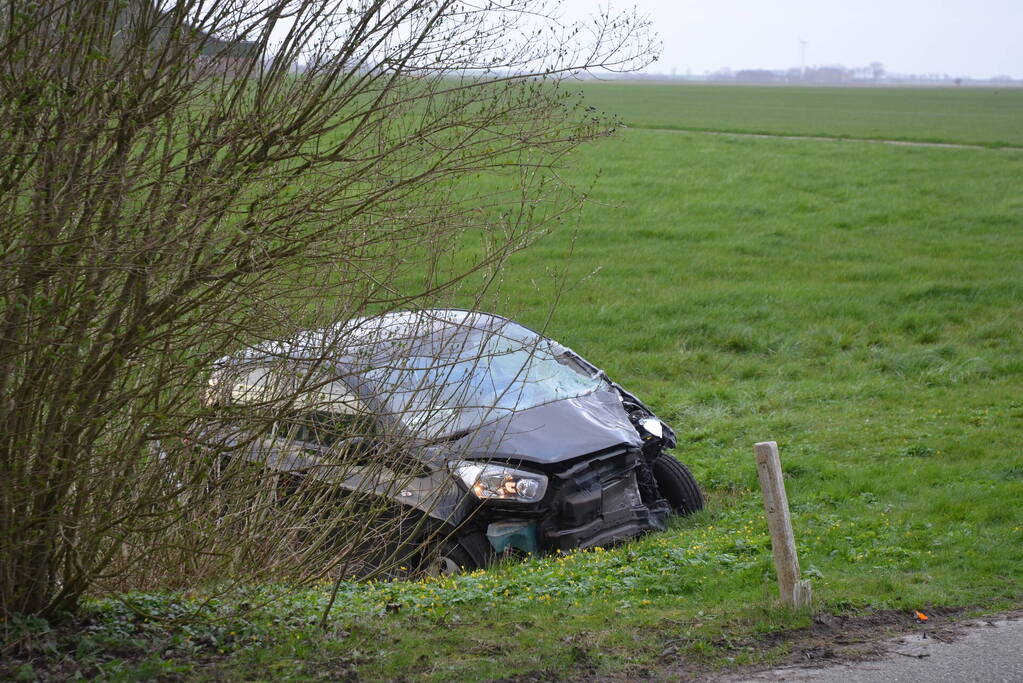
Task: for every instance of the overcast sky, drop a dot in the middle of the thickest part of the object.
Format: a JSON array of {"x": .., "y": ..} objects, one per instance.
[{"x": 975, "y": 38}]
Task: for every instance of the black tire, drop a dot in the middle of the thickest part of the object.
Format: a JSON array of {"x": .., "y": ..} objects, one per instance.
[
  {"x": 457, "y": 554},
  {"x": 677, "y": 484}
]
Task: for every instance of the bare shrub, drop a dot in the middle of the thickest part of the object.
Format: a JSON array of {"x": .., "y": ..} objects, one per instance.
[{"x": 182, "y": 179}]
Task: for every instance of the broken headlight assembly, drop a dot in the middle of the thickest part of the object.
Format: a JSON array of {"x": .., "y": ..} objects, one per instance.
[
  {"x": 653, "y": 426},
  {"x": 489, "y": 481}
]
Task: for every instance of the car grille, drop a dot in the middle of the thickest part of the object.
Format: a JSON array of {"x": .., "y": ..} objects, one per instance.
[{"x": 597, "y": 502}]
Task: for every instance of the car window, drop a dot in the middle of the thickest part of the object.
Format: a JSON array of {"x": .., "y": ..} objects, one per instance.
[
  {"x": 476, "y": 377},
  {"x": 327, "y": 414},
  {"x": 322, "y": 428}
]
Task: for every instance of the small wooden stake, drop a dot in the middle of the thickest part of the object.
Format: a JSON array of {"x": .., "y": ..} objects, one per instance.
[{"x": 794, "y": 592}]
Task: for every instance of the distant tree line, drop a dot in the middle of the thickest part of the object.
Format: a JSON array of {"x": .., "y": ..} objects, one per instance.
[{"x": 831, "y": 74}]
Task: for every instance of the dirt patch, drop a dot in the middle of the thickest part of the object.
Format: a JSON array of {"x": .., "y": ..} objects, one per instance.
[
  {"x": 831, "y": 639},
  {"x": 843, "y": 638}
]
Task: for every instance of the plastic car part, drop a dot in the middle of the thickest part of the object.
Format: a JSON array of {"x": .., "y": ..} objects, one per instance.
[
  {"x": 489, "y": 481},
  {"x": 596, "y": 502},
  {"x": 518, "y": 535},
  {"x": 653, "y": 426}
]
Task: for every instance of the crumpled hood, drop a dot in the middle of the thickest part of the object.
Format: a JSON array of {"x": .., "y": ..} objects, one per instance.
[{"x": 555, "y": 432}]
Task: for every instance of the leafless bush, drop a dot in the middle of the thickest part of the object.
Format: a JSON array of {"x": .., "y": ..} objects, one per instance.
[{"x": 182, "y": 179}]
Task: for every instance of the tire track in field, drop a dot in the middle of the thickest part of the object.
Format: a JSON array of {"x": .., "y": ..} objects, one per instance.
[{"x": 823, "y": 138}]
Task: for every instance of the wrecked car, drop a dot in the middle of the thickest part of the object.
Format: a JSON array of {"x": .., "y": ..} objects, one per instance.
[{"x": 511, "y": 442}]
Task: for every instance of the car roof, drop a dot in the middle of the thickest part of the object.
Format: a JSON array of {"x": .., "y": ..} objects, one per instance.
[
  {"x": 345, "y": 339},
  {"x": 343, "y": 350}
]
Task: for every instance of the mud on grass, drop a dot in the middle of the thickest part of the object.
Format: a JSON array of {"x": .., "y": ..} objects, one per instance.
[
  {"x": 838, "y": 638},
  {"x": 728, "y": 652}
]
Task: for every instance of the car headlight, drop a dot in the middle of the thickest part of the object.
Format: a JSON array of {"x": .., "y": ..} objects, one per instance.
[
  {"x": 653, "y": 426},
  {"x": 489, "y": 481}
]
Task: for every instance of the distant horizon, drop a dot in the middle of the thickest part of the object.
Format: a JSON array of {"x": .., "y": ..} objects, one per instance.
[
  {"x": 888, "y": 81},
  {"x": 978, "y": 40}
]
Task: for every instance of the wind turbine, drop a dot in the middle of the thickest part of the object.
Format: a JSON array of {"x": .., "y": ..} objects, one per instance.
[{"x": 802, "y": 59}]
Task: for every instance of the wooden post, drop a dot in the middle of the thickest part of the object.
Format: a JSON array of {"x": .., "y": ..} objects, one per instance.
[{"x": 794, "y": 592}]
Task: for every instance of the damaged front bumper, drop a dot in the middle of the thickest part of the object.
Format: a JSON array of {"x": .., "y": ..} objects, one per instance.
[{"x": 593, "y": 502}]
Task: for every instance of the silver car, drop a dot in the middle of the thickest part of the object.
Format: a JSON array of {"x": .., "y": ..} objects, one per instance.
[{"x": 498, "y": 439}]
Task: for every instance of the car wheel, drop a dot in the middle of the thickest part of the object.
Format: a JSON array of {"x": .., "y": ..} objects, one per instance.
[
  {"x": 455, "y": 555},
  {"x": 677, "y": 484}
]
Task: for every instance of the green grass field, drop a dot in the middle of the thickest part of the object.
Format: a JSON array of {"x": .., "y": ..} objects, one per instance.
[
  {"x": 982, "y": 116},
  {"x": 861, "y": 304}
]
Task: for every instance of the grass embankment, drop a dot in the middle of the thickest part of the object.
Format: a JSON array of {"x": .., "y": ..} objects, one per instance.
[
  {"x": 860, "y": 304},
  {"x": 978, "y": 116}
]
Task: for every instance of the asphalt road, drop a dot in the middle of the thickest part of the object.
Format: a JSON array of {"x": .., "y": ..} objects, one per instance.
[{"x": 986, "y": 650}]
